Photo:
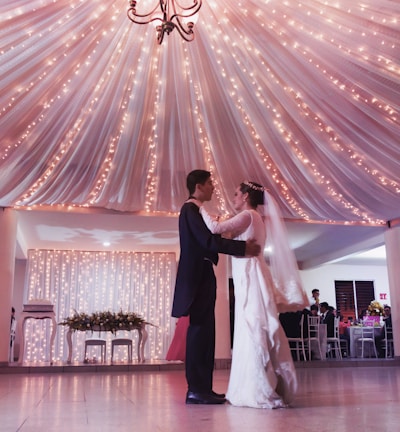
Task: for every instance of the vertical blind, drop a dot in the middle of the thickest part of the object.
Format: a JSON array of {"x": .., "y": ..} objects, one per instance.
[{"x": 353, "y": 296}]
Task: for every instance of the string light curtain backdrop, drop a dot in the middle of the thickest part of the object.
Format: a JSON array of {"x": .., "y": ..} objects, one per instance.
[{"x": 96, "y": 282}]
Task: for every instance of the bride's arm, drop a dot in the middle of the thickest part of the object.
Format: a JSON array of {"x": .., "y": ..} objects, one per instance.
[{"x": 235, "y": 225}]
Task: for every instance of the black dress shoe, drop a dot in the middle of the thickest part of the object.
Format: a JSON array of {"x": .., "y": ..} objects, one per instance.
[
  {"x": 193, "y": 398},
  {"x": 218, "y": 395}
]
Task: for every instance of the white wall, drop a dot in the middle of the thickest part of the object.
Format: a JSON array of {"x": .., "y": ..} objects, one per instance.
[{"x": 323, "y": 278}]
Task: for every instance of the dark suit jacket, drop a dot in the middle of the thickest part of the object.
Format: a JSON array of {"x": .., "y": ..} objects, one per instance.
[
  {"x": 329, "y": 320},
  {"x": 290, "y": 322},
  {"x": 197, "y": 242}
]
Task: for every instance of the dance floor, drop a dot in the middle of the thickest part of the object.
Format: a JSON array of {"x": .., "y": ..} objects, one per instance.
[{"x": 332, "y": 396}]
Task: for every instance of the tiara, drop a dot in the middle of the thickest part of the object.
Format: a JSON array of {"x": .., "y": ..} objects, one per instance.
[{"x": 253, "y": 186}]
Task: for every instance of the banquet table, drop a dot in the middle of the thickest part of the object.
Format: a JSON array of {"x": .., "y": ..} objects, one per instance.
[{"x": 352, "y": 341}]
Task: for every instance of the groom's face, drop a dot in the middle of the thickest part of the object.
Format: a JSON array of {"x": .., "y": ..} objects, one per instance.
[{"x": 206, "y": 190}]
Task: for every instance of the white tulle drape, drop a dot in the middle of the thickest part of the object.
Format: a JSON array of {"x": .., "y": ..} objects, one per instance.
[
  {"x": 301, "y": 96},
  {"x": 95, "y": 282}
]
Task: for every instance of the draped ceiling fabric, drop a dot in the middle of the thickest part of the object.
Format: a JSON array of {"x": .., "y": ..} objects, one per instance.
[{"x": 302, "y": 96}]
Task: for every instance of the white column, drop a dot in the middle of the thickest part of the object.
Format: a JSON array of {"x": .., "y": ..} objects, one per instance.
[
  {"x": 222, "y": 324},
  {"x": 8, "y": 234},
  {"x": 392, "y": 243}
]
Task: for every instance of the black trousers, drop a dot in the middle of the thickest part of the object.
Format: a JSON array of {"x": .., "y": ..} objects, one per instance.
[{"x": 200, "y": 340}]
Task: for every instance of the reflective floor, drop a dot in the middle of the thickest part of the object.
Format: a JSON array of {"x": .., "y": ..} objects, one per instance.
[{"x": 330, "y": 399}]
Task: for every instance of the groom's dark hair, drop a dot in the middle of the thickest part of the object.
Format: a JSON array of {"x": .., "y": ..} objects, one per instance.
[{"x": 196, "y": 177}]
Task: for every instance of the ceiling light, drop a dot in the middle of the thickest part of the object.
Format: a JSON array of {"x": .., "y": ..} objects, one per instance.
[{"x": 168, "y": 15}]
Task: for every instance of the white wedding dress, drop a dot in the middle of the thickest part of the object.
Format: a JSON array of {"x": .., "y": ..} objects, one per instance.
[{"x": 262, "y": 373}]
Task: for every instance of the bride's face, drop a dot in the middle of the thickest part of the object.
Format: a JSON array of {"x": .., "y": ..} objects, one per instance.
[{"x": 238, "y": 199}]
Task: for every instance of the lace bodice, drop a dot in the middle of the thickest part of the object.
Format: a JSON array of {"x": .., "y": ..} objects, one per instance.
[{"x": 246, "y": 225}]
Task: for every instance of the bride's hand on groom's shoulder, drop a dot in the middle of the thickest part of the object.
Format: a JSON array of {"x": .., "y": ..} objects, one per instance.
[{"x": 195, "y": 201}]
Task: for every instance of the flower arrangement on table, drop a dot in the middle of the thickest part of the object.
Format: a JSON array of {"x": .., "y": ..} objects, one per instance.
[
  {"x": 375, "y": 312},
  {"x": 103, "y": 321},
  {"x": 375, "y": 308}
]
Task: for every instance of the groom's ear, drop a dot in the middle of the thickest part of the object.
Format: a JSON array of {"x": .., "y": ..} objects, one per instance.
[{"x": 199, "y": 187}]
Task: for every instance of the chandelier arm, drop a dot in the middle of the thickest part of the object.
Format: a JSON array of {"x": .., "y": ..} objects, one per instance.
[
  {"x": 195, "y": 2},
  {"x": 132, "y": 8},
  {"x": 160, "y": 35},
  {"x": 182, "y": 15},
  {"x": 185, "y": 34},
  {"x": 167, "y": 26},
  {"x": 182, "y": 31},
  {"x": 132, "y": 18}
]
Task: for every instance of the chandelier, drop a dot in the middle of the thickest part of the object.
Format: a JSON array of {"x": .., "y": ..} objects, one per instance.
[{"x": 171, "y": 15}]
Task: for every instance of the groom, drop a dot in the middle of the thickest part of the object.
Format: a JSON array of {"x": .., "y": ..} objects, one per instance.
[{"x": 195, "y": 288}]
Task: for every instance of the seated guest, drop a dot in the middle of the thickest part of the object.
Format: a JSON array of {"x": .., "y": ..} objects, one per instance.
[
  {"x": 364, "y": 313},
  {"x": 290, "y": 322},
  {"x": 328, "y": 318},
  {"x": 332, "y": 309},
  {"x": 387, "y": 318},
  {"x": 387, "y": 322},
  {"x": 343, "y": 326},
  {"x": 344, "y": 332},
  {"x": 314, "y": 309}
]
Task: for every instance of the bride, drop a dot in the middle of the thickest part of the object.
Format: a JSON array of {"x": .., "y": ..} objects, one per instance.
[{"x": 262, "y": 373}]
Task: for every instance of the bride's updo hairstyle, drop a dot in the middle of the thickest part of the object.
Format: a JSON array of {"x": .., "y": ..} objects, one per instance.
[{"x": 255, "y": 191}]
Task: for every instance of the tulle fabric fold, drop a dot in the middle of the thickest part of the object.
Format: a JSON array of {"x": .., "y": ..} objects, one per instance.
[{"x": 290, "y": 295}]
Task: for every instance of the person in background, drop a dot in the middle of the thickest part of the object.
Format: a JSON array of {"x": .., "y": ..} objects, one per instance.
[
  {"x": 290, "y": 322},
  {"x": 177, "y": 349},
  {"x": 387, "y": 319},
  {"x": 332, "y": 309},
  {"x": 387, "y": 322},
  {"x": 344, "y": 333},
  {"x": 314, "y": 309},
  {"x": 328, "y": 318},
  {"x": 315, "y": 297},
  {"x": 363, "y": 314},
  {"x": 195, "y": 287}
]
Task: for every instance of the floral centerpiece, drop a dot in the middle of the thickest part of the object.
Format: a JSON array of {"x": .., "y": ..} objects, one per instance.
[
  {"x": 103, "y": 321},
  {"x": 375, "y": 308},
  {"x": 375, "y": 312}
]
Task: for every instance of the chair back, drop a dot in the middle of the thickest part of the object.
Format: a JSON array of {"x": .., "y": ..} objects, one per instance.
[
  {"x": 388, "y": 332},
  {"x": 313, "y": 327},
  {"x": 301, "y": 324},
  {"x": 367, "y": 332},
  {"x": 336, "y": 333}
]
